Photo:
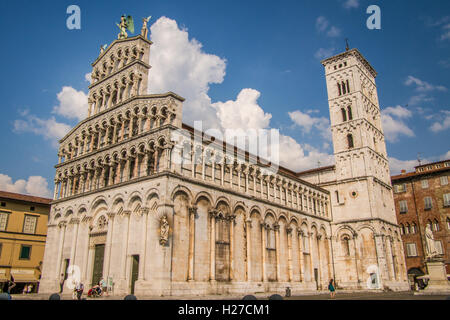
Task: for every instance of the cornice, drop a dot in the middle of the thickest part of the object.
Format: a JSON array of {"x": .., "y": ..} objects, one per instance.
[
  {"x": 116, "y": 41},
  {"x": 121, "y": 70},
  {"x": 129, "y": 100}
]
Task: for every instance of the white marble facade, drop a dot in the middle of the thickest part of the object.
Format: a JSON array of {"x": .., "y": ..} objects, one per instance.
[{"x": 232, "y": 226}]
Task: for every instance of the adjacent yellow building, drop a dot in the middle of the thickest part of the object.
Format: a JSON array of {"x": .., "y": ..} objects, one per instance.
[{"x": 23, "y": 231}]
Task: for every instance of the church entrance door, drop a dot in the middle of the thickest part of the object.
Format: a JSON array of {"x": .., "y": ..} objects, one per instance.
[
  {"x": 134, "y": 271},
  {"x": 98, "y": 263}
]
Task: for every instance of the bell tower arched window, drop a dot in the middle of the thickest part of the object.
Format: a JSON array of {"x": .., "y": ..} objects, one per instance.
[
  {"x": 344, "y": 115},
  {"x": 350, "y": 141},
  {"x": 349, "y": 111},
  {"x": 345, "y": 242}
]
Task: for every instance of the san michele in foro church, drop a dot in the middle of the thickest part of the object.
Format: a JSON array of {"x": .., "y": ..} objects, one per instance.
[{"x": 214, "y": 222}]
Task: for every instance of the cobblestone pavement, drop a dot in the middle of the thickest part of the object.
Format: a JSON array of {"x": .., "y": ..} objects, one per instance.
[{"x": 319, "y": 296}]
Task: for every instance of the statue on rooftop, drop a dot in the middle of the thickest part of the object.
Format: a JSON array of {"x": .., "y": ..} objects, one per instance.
[
  {"x": 126, "y": 23},
  {"x": 144, "y": 30}
]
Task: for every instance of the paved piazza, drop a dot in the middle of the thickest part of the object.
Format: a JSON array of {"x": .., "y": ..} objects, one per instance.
[{"x": 406, "y": 295}]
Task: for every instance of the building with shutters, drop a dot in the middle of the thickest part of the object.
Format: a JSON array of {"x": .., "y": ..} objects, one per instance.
[
  {"x": 422, "y": 198},
  {"x": 23, "y": 230}
]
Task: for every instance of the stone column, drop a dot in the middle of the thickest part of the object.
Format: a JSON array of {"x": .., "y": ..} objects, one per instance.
[
  {"x": 122, "y": 130},
  {"x": 357, "y": 258},
  {"x": 156, "y": 159},
  {"x": 111, "y": 174},
  {"x": 261, "y": 183},
  {"x": 330, "y": 257},
  {"x": 108, "y": 246},
  {"x": 263, "y": 250},
  {"x": 192, "y": 216},
  {"x": 319, "y": 258},
  {"x": 246, "y": 180},
  {"x": 82, "y": 181},
  {"x": 193, "y": 162},
  {"x": 62, "y": 232},
  {"x": 301, "y": 257},
  {"x": 131, "y": 126},
  {"x": 124, "y": 254},
  {"x": 390, "y": 258},
  {"x": 239, "y": 170},
  {"x": 254, "y": 183},
  {"x": 203, "y": 167},
  {"x": 89, "y": 264},
  {"x": 55, "y": 190},
  {"x": 144, "y": 163},
  {"x": 144, "y": 215},
  {"x": 73, "y": 247},
  {"x": 126, "y": 171},
  {"x": 311, "y": 264},
  {"x": 248, "y": 223},
  {"x": 212, "y": 262},
  {"x": 289, "y": 239},
  {"x": 276, "y": 227},
  {"x": 232, "y": 219}
]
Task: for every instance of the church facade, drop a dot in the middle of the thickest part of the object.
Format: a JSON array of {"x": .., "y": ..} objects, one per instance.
[{"x": 215, "y": 223}]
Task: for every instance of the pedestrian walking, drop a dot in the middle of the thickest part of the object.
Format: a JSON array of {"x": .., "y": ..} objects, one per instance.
[
  {"x": 61, "y": 283},
  {"x": 331, "y": 287},
  {"x": 79, "y": 289},
  {"x": 8, "y": 285},
  {"x": 104, "y": 286}
]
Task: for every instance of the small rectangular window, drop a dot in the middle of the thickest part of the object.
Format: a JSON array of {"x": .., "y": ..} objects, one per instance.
[
  {"x": 444, "y": 181},
  {"x": 25, "y": 252},
  {"x": 428, "y": 203},
  {"x": 424, "y": 184},
  {"x": 439, "y": 247},
  {"x": 3, "y": 220},
  {"x": 398, "y": 188},
  {"x": 29, "y": 224},
  {"x": 305, "y": 243},
  {"x": 1, "y": 247},
  {"x": 411, "y": 250},
  {"x": 447, "y": 200},
  {"x": 32, "y": 208},
  {"x": 3, "y": 204},
  {"x": 403, "y": 206}
]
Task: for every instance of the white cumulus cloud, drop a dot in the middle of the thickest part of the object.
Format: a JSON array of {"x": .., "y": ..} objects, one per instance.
[
  {"x": 393, "y": 122},
  {"x": 307, "y": 122},
  {"x": 179, "y": 64},
  {"x": 35, "y": 185},
  {"x": 50, "y": 129},
  {"x": 442, "y": 124},
  {"x": 324, "y": 53},
  {"x": 348, "y": 4},
  {"x": 242, "y": 113},
  {"x": 72, "y": 104},
  {"x": 423, "y": 86}
]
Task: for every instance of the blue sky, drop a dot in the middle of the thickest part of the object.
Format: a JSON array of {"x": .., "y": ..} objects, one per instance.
[{"x": 259, "y": 60}]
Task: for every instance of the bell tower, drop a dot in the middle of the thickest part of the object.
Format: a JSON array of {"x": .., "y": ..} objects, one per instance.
[
  {"x": 119, "y": 73},
  {"x": 362, "y": 170}
]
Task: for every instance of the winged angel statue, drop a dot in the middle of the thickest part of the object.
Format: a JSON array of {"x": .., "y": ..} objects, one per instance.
[{"x": 126, "y": 23}]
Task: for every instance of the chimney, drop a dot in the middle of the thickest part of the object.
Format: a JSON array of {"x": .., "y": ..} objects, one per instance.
[{"x": 403, "y": 171}]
